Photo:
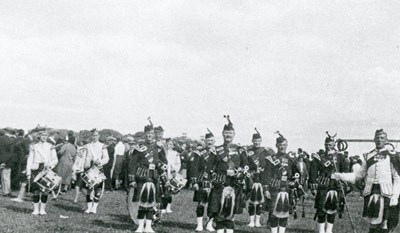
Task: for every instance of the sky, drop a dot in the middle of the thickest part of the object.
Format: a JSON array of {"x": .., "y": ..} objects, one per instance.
[{"x": 300, "y": 67}]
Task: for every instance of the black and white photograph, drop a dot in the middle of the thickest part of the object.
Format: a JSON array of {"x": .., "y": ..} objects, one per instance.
[{"x": 179, "y": 116}]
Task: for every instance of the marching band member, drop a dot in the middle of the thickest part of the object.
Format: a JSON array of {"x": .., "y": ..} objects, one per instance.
[
  {"x": 380, "y": 169},
  {"x": 329, "y": 199},
  {"x": 42, "y": 155},
  {"x": 145, "y": 168},
  {"x": 97, "y": 155},
  {"x": 256, "y": 156},
  {"x": 78, "y": 167},
  {"x": 203, "y": 161},
  {"x": 174, "y": 165},
  {"x": 278, "y": 172},
  {"x": 226, "y": 194}
]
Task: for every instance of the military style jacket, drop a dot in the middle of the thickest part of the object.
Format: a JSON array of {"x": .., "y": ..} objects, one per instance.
[
  {"x": 145, "y": 162},
  {"x": 257, "y": 159},
  {"x": 96, "y": 151},
  {"x": 203, "y": 162},
  {"x": 41, "y": 152},
  {"x": 278, "y": 171},
  {"x": 322, "y": 167},
  {"x": 379, "y": 167},
  {"x": 228, "y": 157}
]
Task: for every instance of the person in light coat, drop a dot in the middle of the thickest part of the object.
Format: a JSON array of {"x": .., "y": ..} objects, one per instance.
[{"x": 380, "y": 169}]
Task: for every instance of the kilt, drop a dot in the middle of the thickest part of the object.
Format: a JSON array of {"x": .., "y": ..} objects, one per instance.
[
  {"x": 203, "y": 194},
  {"x": 214, "y": 205},
  {"x": 35, "y": 188},
  {"x": 279, "y": 204},
  {"x": 147, "y": 193},
  {"x": 328, "y": 197},
  {"x": 256, "y": 194},
  {"x": 376, "y": 206}
]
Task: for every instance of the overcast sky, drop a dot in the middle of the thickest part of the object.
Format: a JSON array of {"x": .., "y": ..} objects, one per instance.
[{"x": 301, "y": 67}]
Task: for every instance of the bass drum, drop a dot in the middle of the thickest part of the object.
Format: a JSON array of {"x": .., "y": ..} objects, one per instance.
[{"x": 133, "y": 207}]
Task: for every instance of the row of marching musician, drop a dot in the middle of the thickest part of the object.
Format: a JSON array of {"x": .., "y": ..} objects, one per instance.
[{"x": 225, "y": 177}]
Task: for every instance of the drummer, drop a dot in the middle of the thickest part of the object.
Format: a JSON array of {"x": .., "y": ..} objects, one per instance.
[
  {"x": 97, "y": 156},
  {"x": 42, "y": 155}
]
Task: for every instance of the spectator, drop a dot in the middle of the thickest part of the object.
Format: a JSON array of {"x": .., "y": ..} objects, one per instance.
[
  {"x": 117, "y": 164},
  {"x": 108, "y": 167},
  {"x": 7, "y": 159},
  {"x": 66, "y": 156}
]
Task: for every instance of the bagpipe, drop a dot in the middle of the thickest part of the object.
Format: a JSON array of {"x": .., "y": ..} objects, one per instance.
[
  {"x": 297, "y": 193},
  {"x": 342, "y": 146}
]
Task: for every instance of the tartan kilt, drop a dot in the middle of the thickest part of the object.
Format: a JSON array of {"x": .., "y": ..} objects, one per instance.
[
  {"x": 376, "y": 206},
  {"x": 35, "y": 188},
  {"x": 147, "y": 195},
  {"x": 214, "y": 205},
  {"x": 327, "y": 200},
  {"x": 280, "y": 202},
  {"x": 203, "y": 194},
  {"x": 256, "y": 194}
]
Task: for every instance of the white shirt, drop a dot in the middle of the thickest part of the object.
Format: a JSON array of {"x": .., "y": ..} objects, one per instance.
[
  {"x": 174, "y": 161},
  {"x": 119, "y": 149}
]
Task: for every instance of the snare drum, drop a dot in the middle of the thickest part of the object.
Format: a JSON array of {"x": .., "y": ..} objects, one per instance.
[
  {"x": 93, "y": 177},
  {"x": 176, "y": 184},
  {"x": 47, "y": 180}
]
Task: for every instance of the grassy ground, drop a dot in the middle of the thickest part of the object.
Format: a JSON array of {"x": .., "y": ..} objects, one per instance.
[{"x": 113, "y": 217}]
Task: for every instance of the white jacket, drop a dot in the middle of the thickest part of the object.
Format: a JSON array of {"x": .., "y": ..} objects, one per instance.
[
  {"x": 382, "y": 173},
  {"x": 97, "y": 151},
  {"x": 41, "y": 152},
  {"x": 174, "y": 162}
]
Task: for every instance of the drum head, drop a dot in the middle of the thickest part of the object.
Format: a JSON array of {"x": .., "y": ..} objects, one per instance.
[{"x": 133, "y": 207}]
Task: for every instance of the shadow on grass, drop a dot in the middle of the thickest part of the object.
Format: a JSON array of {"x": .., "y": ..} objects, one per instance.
[
  {"x": 18, "y": 209},
  {"x": 121, "y": 218},
  {"x": 265, "y": 228},
  {"x": 180, "y": 225},
  {"x": 117, "y": 226},
  {"x": 68, "y": 208}
]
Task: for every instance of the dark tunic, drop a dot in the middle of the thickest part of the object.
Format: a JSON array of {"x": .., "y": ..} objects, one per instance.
[
  {"x": 203, "y": 162},
  {"x": 145, "y": 166},
  {"x": 322, "y": 168},
  {"x": 228, "y": 157},
  {"x": 277, "y": 175},
  {"x": 256, "y": 158}
]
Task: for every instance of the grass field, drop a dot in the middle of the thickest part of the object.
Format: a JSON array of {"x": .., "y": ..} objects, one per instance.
[{"x": 113, "y": 216}]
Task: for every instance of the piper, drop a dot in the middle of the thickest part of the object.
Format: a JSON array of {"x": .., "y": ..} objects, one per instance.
[
  {"x": 203, "y": 161},
  {"x": 227, "y": 192},
  {"x": 256, "y": 156}
]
